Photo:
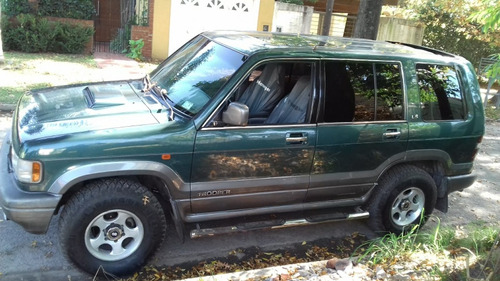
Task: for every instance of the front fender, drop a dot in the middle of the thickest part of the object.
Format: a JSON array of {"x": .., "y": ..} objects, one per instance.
[{"x": 178, "y": 189}]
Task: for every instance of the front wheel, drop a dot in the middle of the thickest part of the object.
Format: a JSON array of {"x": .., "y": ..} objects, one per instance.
[
  {"x": 406, "y": 195},
  {"x": 114, "y": 223}
]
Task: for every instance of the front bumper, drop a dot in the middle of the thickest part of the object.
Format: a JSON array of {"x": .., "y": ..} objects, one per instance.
[{"x": 32, "y": 210}]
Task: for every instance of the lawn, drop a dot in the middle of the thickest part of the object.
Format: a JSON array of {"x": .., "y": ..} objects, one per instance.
[{"x": 22, "y": 72}]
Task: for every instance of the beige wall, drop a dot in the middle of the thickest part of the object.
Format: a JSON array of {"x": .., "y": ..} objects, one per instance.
[
  {"x": 266, "y": 13},
  {"x": 161, "y": 28}
]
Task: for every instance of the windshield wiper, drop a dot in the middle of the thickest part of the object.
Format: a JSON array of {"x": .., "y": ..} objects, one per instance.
[{"x": 148, "y": 84}]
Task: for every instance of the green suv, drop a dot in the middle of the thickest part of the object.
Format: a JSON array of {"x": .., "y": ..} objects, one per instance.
[{"x": 237, "y": 131}]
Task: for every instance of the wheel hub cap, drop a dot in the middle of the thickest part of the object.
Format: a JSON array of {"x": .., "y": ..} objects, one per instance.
[
  {"x": 114, "y": 232},
  {"x": 405, "y": 205}
]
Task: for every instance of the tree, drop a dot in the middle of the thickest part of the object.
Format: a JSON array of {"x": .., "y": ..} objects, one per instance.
[
  {"x": 490, "y": 19},
  {"x": 2, "y": 59},
  {"x": 448, "y": 27},
  {"x": 328, "y": 18},
  {"x": 368, "y": 19}
]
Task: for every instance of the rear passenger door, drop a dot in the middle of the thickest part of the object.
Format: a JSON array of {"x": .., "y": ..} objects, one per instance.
[
  {"x": 361, "y": 128},
  {"x": 442, "y": 130}
]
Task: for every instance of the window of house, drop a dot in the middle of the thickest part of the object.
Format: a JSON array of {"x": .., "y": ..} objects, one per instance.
[
  {"x": 440, "y": 94},
  {"x": 358, "y": 91}
]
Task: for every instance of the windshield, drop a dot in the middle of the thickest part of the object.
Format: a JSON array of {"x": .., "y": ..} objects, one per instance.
[{"x": 195, "y": 73}]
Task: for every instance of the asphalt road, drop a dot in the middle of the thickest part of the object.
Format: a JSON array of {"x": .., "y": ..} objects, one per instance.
[{"x": 25, "y": 256}]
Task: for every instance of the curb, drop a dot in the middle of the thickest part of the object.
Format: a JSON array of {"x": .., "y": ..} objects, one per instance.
[{"x": 7, "y": 107}]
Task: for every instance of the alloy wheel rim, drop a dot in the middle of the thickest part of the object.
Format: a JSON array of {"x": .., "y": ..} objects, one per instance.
[
  {"x": 407, "y": 206},
  {"x": 114, "y": 235}
]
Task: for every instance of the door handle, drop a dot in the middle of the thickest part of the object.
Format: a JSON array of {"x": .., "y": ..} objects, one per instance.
[
  {"x": 296, "y": 138},
  {"x": 392, "y": 134}
]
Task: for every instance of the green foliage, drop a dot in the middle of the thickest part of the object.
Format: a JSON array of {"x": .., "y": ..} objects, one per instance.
[
  {"x": 488, "y": 17},
  {"x": 71, "y": 39},
  {"x": 10, "y": 95},
  {"x": 28, "y": 34},
  {"x": 136, "y": 49},
  {"x": 13, "y": 8},
  {"x": 387, "y": 248},
  {"x": 449, "y": 28},
  {"x": 476, "y": 239},
  {"x": 31, "y": 34},
  {"x": 492, "y": 113},
  {"x": 75, "y": 9},
  {"x": 142, "y": 16}
]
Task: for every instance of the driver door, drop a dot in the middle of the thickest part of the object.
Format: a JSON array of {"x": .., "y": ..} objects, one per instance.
[{"x": 261, "y": 164}]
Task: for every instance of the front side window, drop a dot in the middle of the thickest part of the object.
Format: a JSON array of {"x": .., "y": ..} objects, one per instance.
[
  {"x": 440, "y": 94},
  {"x": 273, "y": 93},
  {"x": 196, "y": 73},
  {"x": 359, "y": 92}
]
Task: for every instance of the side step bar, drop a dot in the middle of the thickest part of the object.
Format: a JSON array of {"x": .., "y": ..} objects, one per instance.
[{"x": 275, "y": 224}]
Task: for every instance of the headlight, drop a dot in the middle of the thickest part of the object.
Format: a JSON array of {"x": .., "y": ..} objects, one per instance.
[{"x": 26, "y": 171}]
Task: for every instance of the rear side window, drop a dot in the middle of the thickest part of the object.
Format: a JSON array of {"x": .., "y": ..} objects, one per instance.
[
  {"x": 440, "y": 94},
  {"x": 360, "y": 92}
]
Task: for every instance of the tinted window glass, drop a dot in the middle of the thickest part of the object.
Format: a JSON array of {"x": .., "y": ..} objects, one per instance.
[
  {"x": 363, "y": 92},
  {"x": 440, "y": 94}
]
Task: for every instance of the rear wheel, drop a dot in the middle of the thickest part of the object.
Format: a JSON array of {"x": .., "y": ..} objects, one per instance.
[
  {"x": 406, "y": 195},
  {"x": 114, "y": 223}
]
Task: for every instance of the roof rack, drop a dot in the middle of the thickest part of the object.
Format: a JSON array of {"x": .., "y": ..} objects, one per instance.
[{"x": 431, "y": 50}]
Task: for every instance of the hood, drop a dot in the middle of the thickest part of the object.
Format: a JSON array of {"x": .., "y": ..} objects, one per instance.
[{"x": 66, "y": 110}]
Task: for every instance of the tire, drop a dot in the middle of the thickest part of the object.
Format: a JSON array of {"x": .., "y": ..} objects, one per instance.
[
  {"x": 111, "y": 224},
  {"x": 405, "y": 196}
]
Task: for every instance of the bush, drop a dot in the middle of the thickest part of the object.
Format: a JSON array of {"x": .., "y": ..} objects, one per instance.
[
  {"x": 13, "y": 8},
  {"x": 71, "y": 39},
  {"x": 448, "y": 28},
  {"x": 30, "y": 34},
  {"x": 75, "y": 9}
]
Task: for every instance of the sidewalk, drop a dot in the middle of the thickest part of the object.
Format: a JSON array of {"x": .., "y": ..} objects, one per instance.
[{"x": 117, "y": 66}]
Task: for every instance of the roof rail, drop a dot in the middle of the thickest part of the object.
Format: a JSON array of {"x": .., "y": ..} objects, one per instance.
[{"x": 431, "y": 50}]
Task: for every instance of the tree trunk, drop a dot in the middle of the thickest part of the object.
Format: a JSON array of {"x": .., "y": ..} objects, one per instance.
[
  {"x": 368, "y": 19},
  {"x": 327, "y": 21},
  {"x": 2, "y": 59}
]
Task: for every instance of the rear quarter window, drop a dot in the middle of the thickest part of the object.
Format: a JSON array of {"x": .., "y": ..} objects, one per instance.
[{"x": 441, "y": 96}]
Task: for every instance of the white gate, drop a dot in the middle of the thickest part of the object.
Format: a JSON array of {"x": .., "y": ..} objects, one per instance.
[{"x": 190, "y": 17}]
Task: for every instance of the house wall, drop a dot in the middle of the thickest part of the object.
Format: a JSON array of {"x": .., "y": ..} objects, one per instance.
[
  {"x": 161, "y": 28},
  {"x": 180, "y": 20},
  {"x": 292, "y": 18},
  {"x": 146, "y": 32},
  {"x": 266, "y": 15}
]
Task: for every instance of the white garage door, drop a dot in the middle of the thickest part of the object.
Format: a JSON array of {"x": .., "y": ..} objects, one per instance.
[{"x": 190, "y": 17}]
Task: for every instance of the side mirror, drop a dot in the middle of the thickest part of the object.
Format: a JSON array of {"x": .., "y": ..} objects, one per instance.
[{"x": 236, "y": 114}]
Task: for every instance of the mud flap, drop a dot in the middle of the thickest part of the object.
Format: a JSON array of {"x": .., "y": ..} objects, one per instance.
[
  {"x": 442, "y": 204},
  {"x": 179, "y": 225}
]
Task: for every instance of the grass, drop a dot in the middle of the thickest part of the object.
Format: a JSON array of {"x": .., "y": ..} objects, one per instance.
[
  {"x": 446, "y": 253},
  {"x": 20, "y": 58},
  {"x": 492, "y": 113},
  {"x": 10, "y": 95},
  {"x": 23, "y": 71}
]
